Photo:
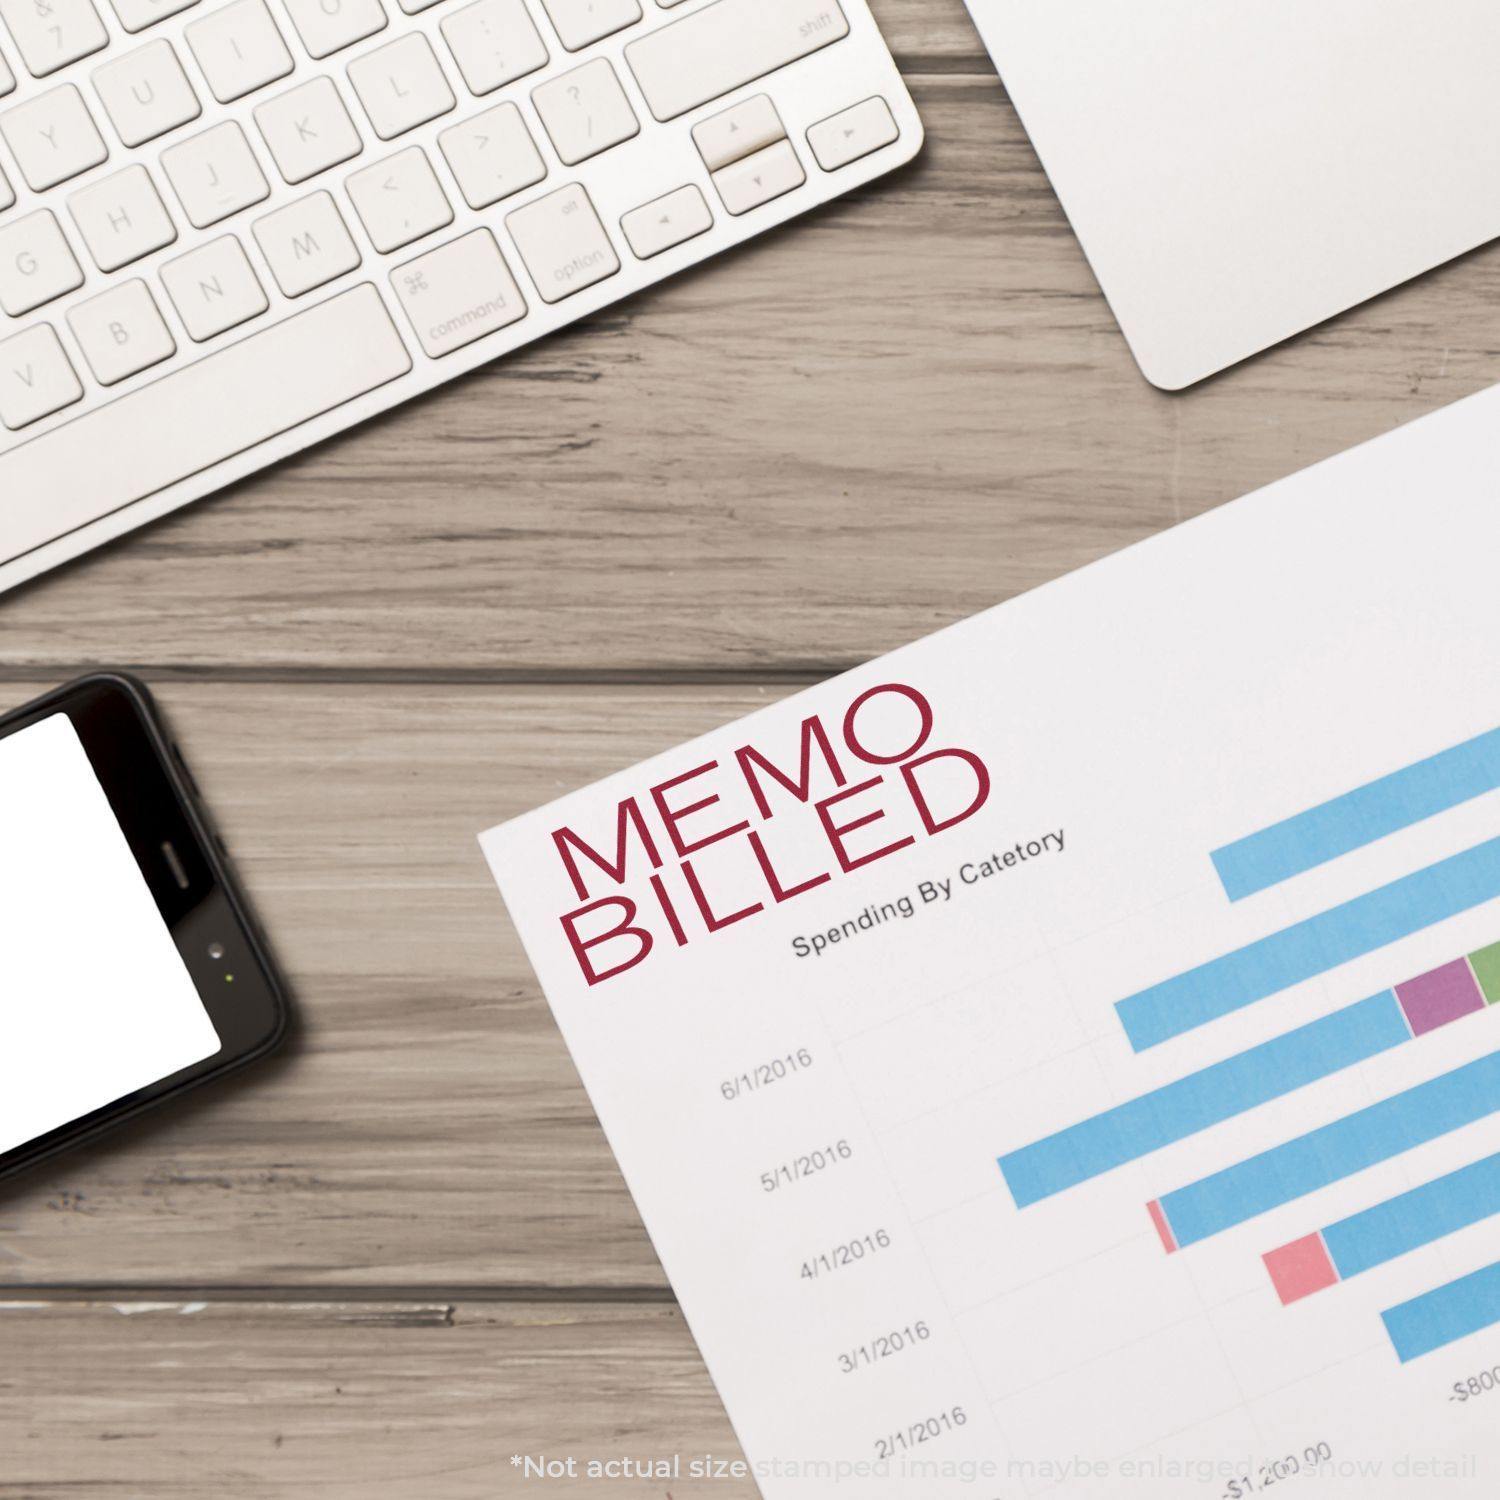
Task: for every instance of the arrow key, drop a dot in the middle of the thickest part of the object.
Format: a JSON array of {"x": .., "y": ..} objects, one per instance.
[
  {"x": 738, "y": 132},
  {"x": 667, "y": 222},
  {"x": 759, "y": 179},
  {"x": 852, "y": 134}
]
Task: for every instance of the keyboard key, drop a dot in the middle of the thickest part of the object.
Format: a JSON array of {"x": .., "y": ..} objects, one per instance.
[
  {"x": 306, "y": 244},
  {"x": 727, "y": 44},
  {"x": 737, "y": 132},
  {"x": 585, "y": 111},
  {"x": 308, "y": 129},
  {"x": 215, "y": 174},
  {"x": 852, "y": 134},
  {"x": 214, "y": 288},
  {"x": 667, "y": 222},
  {"x": 121, "y": 218},
  {"x": 35, "y": 381},
  {"x": 146, "y": 93},
  {"x": 492, "y": 155},
  {"x": 399, "y": 200},
  {"x": 563, "y": 243},
  {"x": 328, "y": 26},
  {"x": 760, "y": 178},
  {"x": 50, "y": 34},
  {"x": 582, "y": 22},
  {"x": 7, "y": 193},
  {"x": 7, "y": 78},
  {"x": 137, "y": 15},
  {"x": 36, "y": 264},
  {"x": 458, "y": 293},
  {"x": 121, "y": 333},
  {"x": 494, "y": 42},
  {"x": 53, "y": 137},
  {"x": 224, "y": 404},
  {"x": 239, "y": 49},
  {"x": 415, "y": 7},
  {"x": 401, "y": 85}
]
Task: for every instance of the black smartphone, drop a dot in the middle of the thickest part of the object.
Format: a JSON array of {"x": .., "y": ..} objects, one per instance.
[{"x": 130, "y": 968}]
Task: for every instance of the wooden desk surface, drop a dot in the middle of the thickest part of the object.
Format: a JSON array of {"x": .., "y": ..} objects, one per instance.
[{"x": 400, "y": 1253}]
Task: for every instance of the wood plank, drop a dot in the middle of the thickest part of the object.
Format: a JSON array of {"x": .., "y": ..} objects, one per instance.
[
  {"x": 350, "y": 1401},
  {"x": 886, "y": 418},
  {"x": 425, "y": 1125},
  {"x": 932, "y": 34}
]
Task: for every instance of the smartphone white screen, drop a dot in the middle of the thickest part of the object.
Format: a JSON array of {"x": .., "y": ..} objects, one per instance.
[{"x": 95, "y": 1000}]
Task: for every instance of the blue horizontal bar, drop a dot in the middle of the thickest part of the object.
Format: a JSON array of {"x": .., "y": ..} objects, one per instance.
[
  {"x": 1421, "y": 1217},
  {"x": 1445, "y": 1315},
  {"x": 1334, "y": 1151},
  {"x": 1311, "y": 947},
  {"x": 1357, "y": 818},
  {"x": 1216, "y": 1093}
]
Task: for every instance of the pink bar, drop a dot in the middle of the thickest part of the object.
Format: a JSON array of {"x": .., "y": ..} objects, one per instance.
[
  {"x": 1164, "y": 1229},
  {"x": 1301, "y": 1268},
  {"x": 1440, "y": 996}
]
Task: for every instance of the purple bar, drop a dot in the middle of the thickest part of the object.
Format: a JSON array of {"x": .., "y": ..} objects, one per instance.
[{"x": 1440, "y": 996}]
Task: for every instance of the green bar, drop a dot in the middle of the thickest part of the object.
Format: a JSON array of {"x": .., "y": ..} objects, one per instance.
[{"x": 1486, "y": 966}]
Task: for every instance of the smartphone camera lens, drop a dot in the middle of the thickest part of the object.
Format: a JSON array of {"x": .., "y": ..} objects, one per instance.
[{"x": 216, "y": 951}]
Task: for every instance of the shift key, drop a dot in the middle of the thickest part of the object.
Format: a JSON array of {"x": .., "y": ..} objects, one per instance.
[{"x": 727, "y": 44}]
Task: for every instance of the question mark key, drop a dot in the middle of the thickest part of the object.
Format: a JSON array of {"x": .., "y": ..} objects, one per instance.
[{"x": 585, "y": 111}]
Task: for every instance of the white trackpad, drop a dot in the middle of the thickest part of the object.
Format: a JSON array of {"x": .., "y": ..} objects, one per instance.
[{"x": 1239, "y": 170}]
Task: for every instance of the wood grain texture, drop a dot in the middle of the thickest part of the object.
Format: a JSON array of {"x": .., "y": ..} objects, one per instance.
[
  {"x": 888, "y": 416},
  {"x": 378, "y": 1255},
  {"x": 934, "y": 35},
  {"x": 424, "y": 1127},
  {"x": 348, "y": 1400}
]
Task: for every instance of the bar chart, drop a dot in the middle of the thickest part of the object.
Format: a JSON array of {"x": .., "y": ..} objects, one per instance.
[
  {"x": 1311, "y": 947},
  {"x": 1339, "y": 1149},
  {"x": 1385, "y": 1231},
  {"x": 1445, "y": 1314},
  {"x": 1343, "y": 1146},
  {"x": 1225, "y": 1089},
  {"x": 1359, "y": 817},
  {"x": 1163, "y": 1167}
]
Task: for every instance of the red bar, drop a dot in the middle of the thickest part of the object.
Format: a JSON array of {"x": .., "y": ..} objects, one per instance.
[
  {"x": 1301, "y": 1268},
  {"x": 1168, "y": 1239}
]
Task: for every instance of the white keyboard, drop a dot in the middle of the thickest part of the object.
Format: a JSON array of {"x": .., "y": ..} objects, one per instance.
[{"x": 228, "y": 230}]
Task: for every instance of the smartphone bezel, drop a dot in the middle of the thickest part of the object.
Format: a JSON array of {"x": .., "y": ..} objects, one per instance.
[{"x": 156, "y": 802}]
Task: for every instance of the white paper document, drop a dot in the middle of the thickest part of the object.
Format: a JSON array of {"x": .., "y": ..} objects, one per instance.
[{"x": 1063, "y": 1056}]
